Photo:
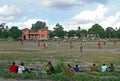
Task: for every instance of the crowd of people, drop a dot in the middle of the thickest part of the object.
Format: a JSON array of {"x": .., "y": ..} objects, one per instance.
[
  {"x": 94, "y": 68},
  {"x": 43, "y": 44},
  {"x": 49, "y": 68},
  {"x": 103, "y": 68}
]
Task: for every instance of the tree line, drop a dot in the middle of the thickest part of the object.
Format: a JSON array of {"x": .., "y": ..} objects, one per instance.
[
  {"x": 96, "y": 30},
  {"x": 58, "y": 31}
]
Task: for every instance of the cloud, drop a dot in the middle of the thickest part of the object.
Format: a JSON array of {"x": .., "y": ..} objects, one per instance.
[
  {"x": 111, "y": 21},
  {"x": 26, "y": 23},
  {"x": 85, "y": 19},
  {"x": 88, "y": 17},
  {"x": 64, "y": 4},
  {"x": 98, "y": 1},
  {"x": 60, "y": 4},
  {"x": 8, "y": 13}
]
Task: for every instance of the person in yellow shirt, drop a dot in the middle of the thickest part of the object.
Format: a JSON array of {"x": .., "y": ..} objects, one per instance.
[{"x": 94, "y": 68}]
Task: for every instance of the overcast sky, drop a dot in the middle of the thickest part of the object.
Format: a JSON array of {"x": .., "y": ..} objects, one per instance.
[{"x": 69, "y": 13}]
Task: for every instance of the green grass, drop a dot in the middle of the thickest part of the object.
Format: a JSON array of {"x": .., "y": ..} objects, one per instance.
[
  {"x": 61, "y": 77},
  {"x": 35, "y": 56}
]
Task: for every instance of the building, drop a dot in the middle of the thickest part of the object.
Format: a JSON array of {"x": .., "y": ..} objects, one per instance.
[{"x": 40, "y": 34}]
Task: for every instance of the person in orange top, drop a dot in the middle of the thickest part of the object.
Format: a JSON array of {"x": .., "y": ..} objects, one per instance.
[{"x": 13, "y": 68}]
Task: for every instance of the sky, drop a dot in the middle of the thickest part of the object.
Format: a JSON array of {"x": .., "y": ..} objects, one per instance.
[{"x": 68, "y": 13}]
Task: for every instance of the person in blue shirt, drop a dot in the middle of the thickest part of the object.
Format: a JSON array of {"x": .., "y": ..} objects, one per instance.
[{"x": 77, "y": 69}]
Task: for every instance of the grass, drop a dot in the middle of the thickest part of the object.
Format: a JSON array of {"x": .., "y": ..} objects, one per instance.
[
  {"x": 61, "y": 77},
  {"x": 35, "y": 56}
]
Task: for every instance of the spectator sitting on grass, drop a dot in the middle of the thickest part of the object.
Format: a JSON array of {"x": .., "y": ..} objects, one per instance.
[
  {"x": 13, "y": 68},
  {"x": 94, "y": 68},
  {"x": 103, "y": 68},
  {"x": 49, "y": 68},
  {"x": 111, "y": 68},
  {"x": 21, "y": 68},
  {"x": 70, "y": 69},
  {"x": 60, "y": 67},
  {"x": 77, "y": 69}
]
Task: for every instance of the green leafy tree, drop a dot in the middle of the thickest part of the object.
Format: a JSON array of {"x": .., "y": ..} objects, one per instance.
[
  {"x": 97, "y": 30},
  {"x": 59, "y": 31},
  {"x": 51, "y": 34},
  {"x": 3, "y": 31},
  {"x": 0, "y": 33},
  {"x": 84, "y": 32},
  {"x": 14, "y": 32},
  {"x": 118, "y": 33},
  {"x": 2, "y": 25},
  {"x": 110, "y": 32},
  {"x": 71, "y": 33},
  {"x": 65, "y": 33},
  {"x": 4, "y": 34},
  {"x": 38, "y": 25},
  {"x": 78, "y": 32}
]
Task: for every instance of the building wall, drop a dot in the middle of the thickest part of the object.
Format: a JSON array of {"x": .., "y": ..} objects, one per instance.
[
  {"x": 25, "y": 33},
  {"x": 43, "y": 33},
  {"x": 40, "y": 34}
]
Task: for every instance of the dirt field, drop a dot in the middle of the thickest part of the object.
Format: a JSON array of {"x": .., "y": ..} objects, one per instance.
[{"x": 35, "y": 56}]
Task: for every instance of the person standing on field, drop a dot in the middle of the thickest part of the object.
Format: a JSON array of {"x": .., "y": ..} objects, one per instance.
[
  {"x": 99, "y": 45},
  {"x": 81, "y": 47},
  {"x": 71, "y": 45},
  {"x": 22, "y": 42},
  {"x": 114, "y": 43},
  {"x": 38, "y": 43}
]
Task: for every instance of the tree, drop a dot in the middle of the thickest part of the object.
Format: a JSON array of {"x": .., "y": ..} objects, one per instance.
[
  {"x": 97, "y": 30},
  {"x": 14, "y": 32},
  {"x": 0, "y": 33},
  {"x": 84, "y": 32},
  {"x": 58, "y": 31},
  {"x": 78, "y": 32},
  {"x": 38, "y": 25},
  {"x": 71, "y": 33},
  {"x": 2, "y": 25},
  {"x": 4, "y": 34},
  {"x": 110, "y": 32},
  {"x": 51, "y": 33},
  {"x": 3, "y": 31},
  {"x": 118, "y": 33}
]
